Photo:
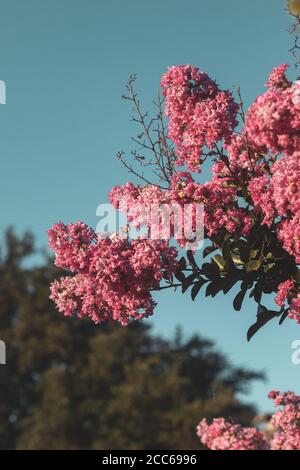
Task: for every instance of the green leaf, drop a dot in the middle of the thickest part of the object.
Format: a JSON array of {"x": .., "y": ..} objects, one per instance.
[
  {"x": 238, "y": 301},
  {"x": 213, "y": 289},
  {"x": 244, "y": 251},
  {"x": 182, "y": 263},
  {"x": 229, "y": 281},
  {"x": 263, "y": 317},
  {"x": 191, "y": 258},
  {"x": 285, "y": 314},
  {"x": 188, "y": 281},
  {"x": 196, "y": 288},
  {"x": 179, "y": 275},
  {"x": 268, "y": 267},
  {"x": 226, "y": 252},
  {"x": 297, "y": 275},
  {"x": 208, "y": 250},
  {"x": 220, "y": 261},
  {"x": 211, "y": 271},
  {"x": 257, "y": 293},
  {"x": 254, "y": 254},
  {"x": 236, "y": 259},
  {"x": 253, "y": 265}
]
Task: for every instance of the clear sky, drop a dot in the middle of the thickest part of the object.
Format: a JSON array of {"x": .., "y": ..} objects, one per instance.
[{"x": 65, "y": 64}]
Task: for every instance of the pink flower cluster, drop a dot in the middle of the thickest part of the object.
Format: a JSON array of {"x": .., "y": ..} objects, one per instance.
[
  {"x": 220, "y": 203},
  {"x": 111, "y": 278},
  {"x": 221, "y": 209},
  {"x": 273, "y": 120},
  {"x": 136, "y": 202},
  {"x": 278, "y": 78},
  {"x": 289, "y": 234},
  {"x": 222, "y": 435},
  {"x": 286, "y": 185},
  {"x": 283, "y": 292},
  {"x": 200, "y": 113},
  {"x": 288, "y": 292},
  {"x": 242, "y": 156},
  {"x": 286, "y": 188},
  {"x": 294, "y": 310},
  {"x": 278, "y": 196},
  {"x": 286, "y": 421},
  {"x": 262, "y": 197},
  {"x": 255, "y": 179}
]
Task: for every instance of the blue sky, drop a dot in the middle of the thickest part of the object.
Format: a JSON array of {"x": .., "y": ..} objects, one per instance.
[{"x": 65, "y": 64}]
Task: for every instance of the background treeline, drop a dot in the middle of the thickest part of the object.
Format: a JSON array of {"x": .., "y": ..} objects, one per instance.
[{"x": 69, "y": 384}]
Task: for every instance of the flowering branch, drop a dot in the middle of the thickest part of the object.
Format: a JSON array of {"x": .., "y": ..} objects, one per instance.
[
  {"x": 251, "y": 205},
  {"x": 281, "y": 432},
  {"x": 151, "y": 139}
]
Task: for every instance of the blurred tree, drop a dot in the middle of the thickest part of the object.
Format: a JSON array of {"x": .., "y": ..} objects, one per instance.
[{"x": 73, "y": 385}]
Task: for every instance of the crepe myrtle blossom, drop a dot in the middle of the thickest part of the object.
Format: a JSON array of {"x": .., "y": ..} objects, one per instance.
[
  {"x": 296, "y": 92},
  {"x": 278, "y": 78},
  {"x": 283, "y": 292},
  {"x": 273, "y": 120},
  {"x": 221, "y": 209},
  {"x": 200, "y": 113},
  {"x": 289, "y": 293},
  {"x": 277, "y": 197},
  {"x": 249, "y": 191},
  {"x": 286, "y": 185},
  {"x": 223, "y": 435},
  {"x": 294, "y": 310},
  {"x": 111, "y": 278},
  {"x": 160, "y": 214},
  {"x": 289, "y": 235}
]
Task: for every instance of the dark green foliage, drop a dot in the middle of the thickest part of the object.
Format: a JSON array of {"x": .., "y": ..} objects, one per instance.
[
  {"x": 258, "y": 264},
  {"x": 69, "y": 384}
]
